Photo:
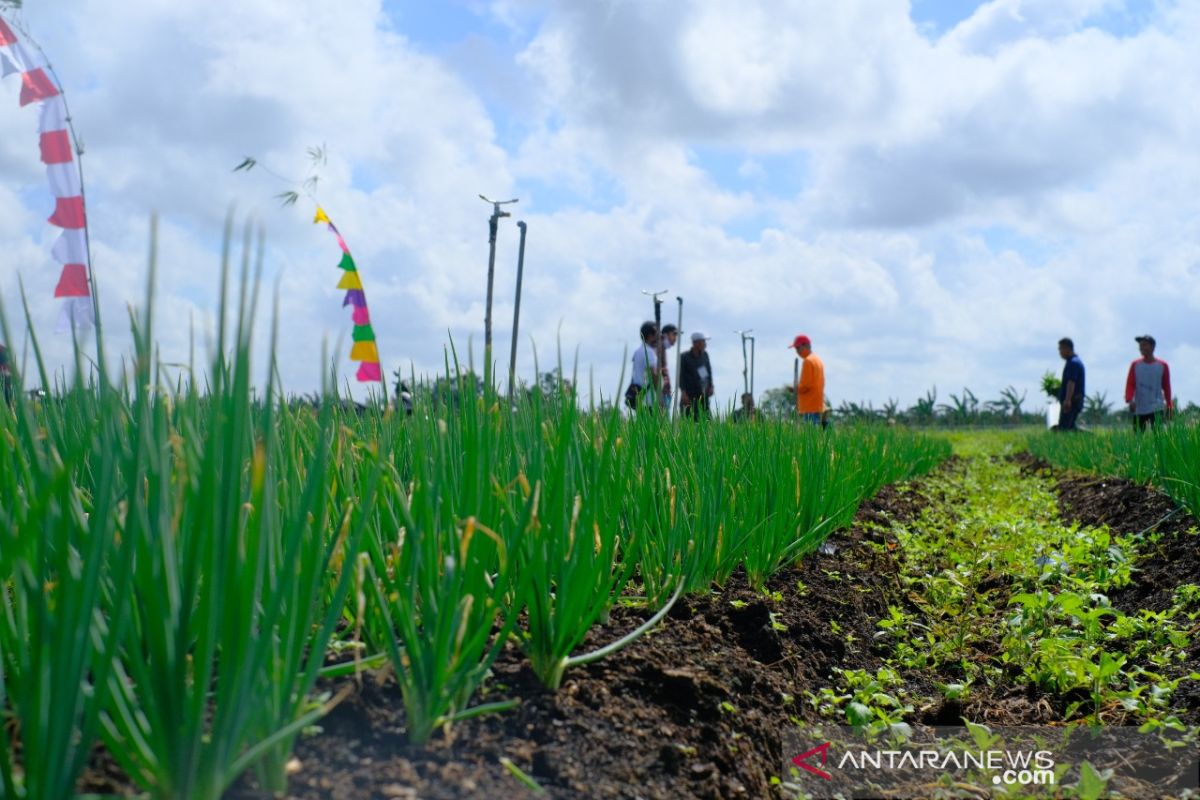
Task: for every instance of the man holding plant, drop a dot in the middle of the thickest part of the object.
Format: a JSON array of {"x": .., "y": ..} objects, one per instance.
[
  {"x": 1070, "y": 392},
  {"x": 1148, "y": 386}
]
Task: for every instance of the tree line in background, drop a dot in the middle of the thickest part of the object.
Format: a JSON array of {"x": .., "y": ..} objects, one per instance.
[
  {"x": 1011, "y": 408},
  {"x": 966, "y": 408}
]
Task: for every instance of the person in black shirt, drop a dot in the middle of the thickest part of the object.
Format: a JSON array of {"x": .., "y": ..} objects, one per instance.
[
  {"x": 747, "y": 413},
  {"x": 1071, "y": 393},
  {"x": 695, "y": 379}
]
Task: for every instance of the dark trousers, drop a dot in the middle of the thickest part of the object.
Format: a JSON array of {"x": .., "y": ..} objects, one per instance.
[
  {"x": 1143, "y": 421},
  {"x": 697, "y": 408},
  {"x": 1067, "y": 419},
  {"x": 642, "y": 399}
]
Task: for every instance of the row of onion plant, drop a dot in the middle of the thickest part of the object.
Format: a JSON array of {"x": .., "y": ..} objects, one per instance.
[
  {"x": 1168, "y": 457},
  {"x": 181, "y": 563}
]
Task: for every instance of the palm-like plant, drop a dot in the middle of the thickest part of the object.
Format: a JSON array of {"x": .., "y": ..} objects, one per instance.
[
  {"x": 926, "y": 408},
  {"x": 962, "y": 408},
  {"x": 1096, "y": 407}
]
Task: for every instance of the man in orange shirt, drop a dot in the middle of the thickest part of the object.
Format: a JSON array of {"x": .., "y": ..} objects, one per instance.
[{"x": 810, "y": 390}]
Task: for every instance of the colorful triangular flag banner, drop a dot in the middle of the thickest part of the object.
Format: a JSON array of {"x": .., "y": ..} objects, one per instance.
[{"x": 364, "y": 350}]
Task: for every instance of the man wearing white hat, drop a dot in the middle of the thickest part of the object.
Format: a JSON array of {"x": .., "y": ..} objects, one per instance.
[{"x": 695, "y": 379}]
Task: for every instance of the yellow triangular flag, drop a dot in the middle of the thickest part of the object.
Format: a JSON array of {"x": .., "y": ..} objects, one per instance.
[
  {"x": 350, "y": 281},
  {"x": 321, "y": 216},
  {"x": 364, "y": 351}
]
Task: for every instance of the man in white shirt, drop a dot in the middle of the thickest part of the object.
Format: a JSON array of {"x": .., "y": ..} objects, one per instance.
[{"x": 645, "y": 382}]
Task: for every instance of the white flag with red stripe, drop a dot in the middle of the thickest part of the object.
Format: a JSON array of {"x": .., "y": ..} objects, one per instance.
[{"x": 56, "y": 145}]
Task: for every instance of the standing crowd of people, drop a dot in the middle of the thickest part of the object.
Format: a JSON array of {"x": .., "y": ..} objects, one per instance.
[
  {"x": 649, "y": 390},
  {"x": 1147, "y": 386}
]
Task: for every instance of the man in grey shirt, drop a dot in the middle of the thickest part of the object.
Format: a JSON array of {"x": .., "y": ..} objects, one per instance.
[{"x": 1148, "y": 386}]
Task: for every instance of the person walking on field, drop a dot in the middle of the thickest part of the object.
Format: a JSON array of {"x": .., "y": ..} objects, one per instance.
[
  {"x": 695, "y": 379},
  {"x": 810, "y": 390},
  {"x": 1148, "y": 386},
  {"x": 645, "y": 383},
  {"x": 1071, "y": 393}
]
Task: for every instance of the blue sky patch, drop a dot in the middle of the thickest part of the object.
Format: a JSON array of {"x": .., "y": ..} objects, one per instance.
[
  {"x": 935, "y": 17},
  {"x": 778, "y": 175}
]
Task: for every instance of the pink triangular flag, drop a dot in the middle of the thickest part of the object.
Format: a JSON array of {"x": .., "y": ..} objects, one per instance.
[{"x": 368, "y": 371}]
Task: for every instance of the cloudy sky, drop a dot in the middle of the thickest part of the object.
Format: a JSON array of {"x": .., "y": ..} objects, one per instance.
[{"x": 934, "y": 190}]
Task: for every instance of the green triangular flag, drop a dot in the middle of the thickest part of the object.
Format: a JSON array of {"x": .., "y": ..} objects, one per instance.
[
  {"x": 347, "y": 263},
  {"x": 363, "y": 333}
]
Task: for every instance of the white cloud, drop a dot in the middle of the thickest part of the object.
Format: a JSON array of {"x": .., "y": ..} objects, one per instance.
[
  {"x": 969, "y": 200},
  {"x": 1001, "y": 22}
]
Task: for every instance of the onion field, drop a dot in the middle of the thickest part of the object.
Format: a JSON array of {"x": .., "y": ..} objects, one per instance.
[
  {"x": 211, "y": 590},
  {"x": 192, "y": 577},
  {"x": 1170, "y": 459}
]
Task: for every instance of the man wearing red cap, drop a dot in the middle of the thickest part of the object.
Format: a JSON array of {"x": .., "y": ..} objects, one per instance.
[{"x": 810, "y": 390}]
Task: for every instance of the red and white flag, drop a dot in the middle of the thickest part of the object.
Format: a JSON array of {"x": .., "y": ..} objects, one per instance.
[{"x": 62, "y": 175}]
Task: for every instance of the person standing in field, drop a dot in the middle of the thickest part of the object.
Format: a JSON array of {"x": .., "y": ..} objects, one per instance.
[
  {"x": 747, "y": 413},
  {"x": 5, "y": 376},
  {"x": 1071, "y": 392},
  {"x": 1148, "y": 386},
  {"x": 810, "y": 390},
  {"x": 670, "y": 335},
  {"x": 645, "y": 382},
  {"x": 695, "y": 379}
]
